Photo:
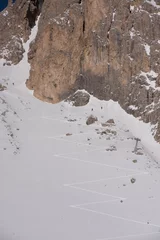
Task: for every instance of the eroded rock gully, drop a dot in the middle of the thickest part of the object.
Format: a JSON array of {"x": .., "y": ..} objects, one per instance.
[{"x": 111, "y": 48}]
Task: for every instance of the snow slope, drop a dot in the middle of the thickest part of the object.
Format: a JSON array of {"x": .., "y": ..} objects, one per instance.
[{"x": 61, "y": 179}]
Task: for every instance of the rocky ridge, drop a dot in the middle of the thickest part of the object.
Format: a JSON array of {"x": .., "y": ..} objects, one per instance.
[{"x": 109, "y": 48}]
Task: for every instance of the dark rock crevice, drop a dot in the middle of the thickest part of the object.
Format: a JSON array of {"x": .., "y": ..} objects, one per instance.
[
  {"x": 34, "y": 9},
  {"x": 84, "y": 25}
]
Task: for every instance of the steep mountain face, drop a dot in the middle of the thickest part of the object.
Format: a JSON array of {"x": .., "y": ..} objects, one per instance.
[
  {"x": 111, "y": 48},
  {"x": 16, "y": 23}
]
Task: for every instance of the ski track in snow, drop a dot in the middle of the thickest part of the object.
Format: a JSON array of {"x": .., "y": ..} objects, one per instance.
[
  {"x": 117, "y": 198},
  {"x": 75, "y": 185}
]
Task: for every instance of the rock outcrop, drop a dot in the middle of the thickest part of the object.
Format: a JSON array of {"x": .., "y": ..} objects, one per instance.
[
  {"x": 91, "y": 119},
  {"x": 79, "y": 99},
  {"x": 17, "y": 21},
  {"x": 111, "y": 48},
  {"x": 55, "y": 56}
]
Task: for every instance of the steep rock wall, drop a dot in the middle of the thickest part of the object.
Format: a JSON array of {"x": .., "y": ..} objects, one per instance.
[
  {"x": 55, "y": 55},
  {"x": 111, "y": 48}
]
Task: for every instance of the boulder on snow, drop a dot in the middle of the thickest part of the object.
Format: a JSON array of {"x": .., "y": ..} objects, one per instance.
[
  {"x": 2, "y": 88},
  {"x": 91, "y": 119},
  {"x": 68, "y": 134},
  {"x": 110, "y": 122},
  {"x": 133, "y": 180},
  {"x": 79, "y": 99}
]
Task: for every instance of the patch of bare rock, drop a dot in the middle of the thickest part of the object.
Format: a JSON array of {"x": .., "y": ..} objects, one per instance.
[
  {"x": 2, "y": 88},
  {"x": 109, "y": 122},
  {"x": 79, "y": 99},
  {"x": 91, "y": 119}
]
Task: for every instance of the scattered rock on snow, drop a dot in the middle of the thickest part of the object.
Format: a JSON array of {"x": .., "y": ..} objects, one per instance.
[
  {"x": 111, "y": 148},
  {"x": 107, "y": 132},
  {"x": 139, "y": 153},
  {"x": 110, "y": 122},
  {"x": 2, "y": 88},
  {"x": 133, "y": 180},
  {"x": 68, "y": 134},
  {"x": 134, "y": 161},
  {"x": 79, "y": 99},
  {"x": 72, "y": 120},
  {"x": 91, "y": 119}
]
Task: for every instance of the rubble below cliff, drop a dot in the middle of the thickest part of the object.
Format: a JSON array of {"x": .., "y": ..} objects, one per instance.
[{"x": 109, "y": 48}]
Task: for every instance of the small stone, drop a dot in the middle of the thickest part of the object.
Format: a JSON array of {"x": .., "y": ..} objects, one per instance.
[
  {"x": 139, "y": 153},
  {"x": 133, "y": 180},
  {"x": 68, "y": 134},
  {"x": 2, "y": 88},
  {"x": 111, "y": 148},
  {"x": 72, "y": 120},
  {"x": 91, "y": 119},
  {"x": 134, "y": 161},
  {"x": 111, "y": 121},
  {"x": 103, "y": 132}
]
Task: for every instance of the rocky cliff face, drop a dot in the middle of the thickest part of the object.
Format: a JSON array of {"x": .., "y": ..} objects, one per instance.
[
  {"x": 111, "y": 48},
  {"x": 16, "y": 23}
]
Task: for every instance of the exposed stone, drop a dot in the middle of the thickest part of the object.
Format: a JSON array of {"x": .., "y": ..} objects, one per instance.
[
  {"x": 134, "y": 161},
  {"x": 68, "y": 134},
  {"x": 111, "y": 121},
  {"x": 91, "y": 119},
  {"x": 2, "y": 88},
  {"x": 107, "y": 131},
  {"x": 111, "y": 148},
  {"x": 79, "y": 98},
  {"x": 133, "y": 180}
]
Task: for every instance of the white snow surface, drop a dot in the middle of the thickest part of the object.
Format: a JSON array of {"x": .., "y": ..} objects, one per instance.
[
  {"x": 61, "y": 179},
  {"x": 153, "y": 3}
]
